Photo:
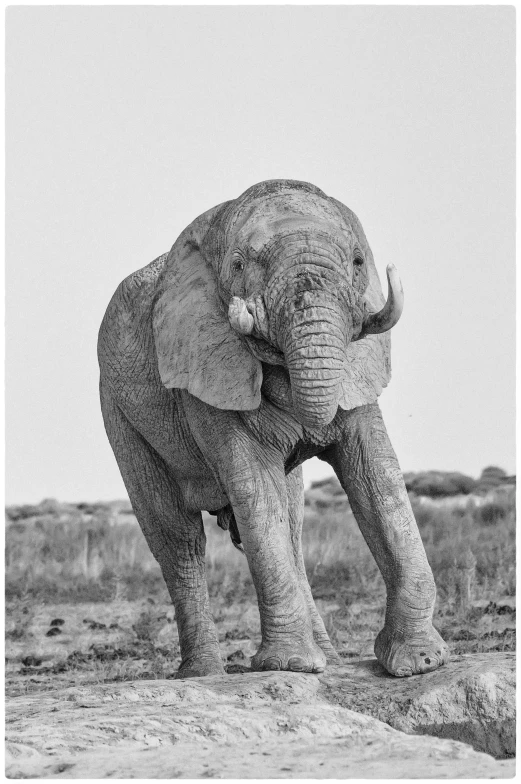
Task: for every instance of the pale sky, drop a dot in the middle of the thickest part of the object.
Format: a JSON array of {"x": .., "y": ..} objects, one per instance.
[{"x": 125, "y": 123}]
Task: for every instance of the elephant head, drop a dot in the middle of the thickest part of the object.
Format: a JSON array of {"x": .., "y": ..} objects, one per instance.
[{"x": 282, "y": 275}]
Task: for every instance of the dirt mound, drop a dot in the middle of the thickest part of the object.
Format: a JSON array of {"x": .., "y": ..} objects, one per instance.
[{"x": 263, "y": 725}]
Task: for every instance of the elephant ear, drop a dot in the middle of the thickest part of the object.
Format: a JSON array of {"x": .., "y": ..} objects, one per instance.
[
  {"x": 368, "y": 366},
  {"x": 196, "y": 347}
]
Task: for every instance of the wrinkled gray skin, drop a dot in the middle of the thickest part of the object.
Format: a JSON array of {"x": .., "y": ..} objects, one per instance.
[{"x": 212, "y": 407}]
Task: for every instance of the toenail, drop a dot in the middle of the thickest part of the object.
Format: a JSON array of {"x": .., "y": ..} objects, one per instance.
[
  {"x": 297, "y": 663},
  {"x": 427, "y": 661},
  {"x": 272, "y": 663}
]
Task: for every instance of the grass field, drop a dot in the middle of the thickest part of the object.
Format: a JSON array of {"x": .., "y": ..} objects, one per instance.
[{"x": 86, "y": 601}]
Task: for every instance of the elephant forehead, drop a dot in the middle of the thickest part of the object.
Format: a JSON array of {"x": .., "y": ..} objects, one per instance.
[
  {"x": 258, "y": 233},
  {"x": 290, "y": 203}
]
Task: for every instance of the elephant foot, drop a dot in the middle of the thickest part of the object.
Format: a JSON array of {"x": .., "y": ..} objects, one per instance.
[
  {"x": 410, "y": 654},
  {"x": 295, "y": 656},
  {"x": 198, "y": 667}
]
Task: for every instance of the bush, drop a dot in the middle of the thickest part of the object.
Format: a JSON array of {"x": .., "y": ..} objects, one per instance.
[
  {"x": 439, "y": 484},
  {"x": 493, "y": 473},
  {"x": 329, "y": 485},
  {"x": 493, "y": 511},
  {"x": 492, "y": 478},
  {"x": 48, "y": 508}
]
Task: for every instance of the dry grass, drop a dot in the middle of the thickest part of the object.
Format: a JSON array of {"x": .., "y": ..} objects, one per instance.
[{"x": 91, "y": 567}]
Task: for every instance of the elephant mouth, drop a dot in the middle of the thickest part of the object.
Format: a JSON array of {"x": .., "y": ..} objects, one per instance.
[
  {"x": 250, "y": 319},
  {"x": 265, "y": 352}
]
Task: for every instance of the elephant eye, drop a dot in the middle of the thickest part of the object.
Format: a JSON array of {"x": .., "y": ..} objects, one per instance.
[
  {"x": 238, "y": 265},
  {"x": 358, "y": 261}
]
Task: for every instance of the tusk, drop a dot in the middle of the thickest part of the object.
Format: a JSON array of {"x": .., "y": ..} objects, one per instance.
[
  {"x": 240, "y": 318},
  {"x": 389, "y": 315}
]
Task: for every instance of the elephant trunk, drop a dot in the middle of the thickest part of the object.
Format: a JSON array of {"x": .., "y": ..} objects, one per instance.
[{"x": 314, "y": 343}]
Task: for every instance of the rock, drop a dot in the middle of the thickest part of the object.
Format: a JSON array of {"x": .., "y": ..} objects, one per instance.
[
  {"x": 370, "y": 757},
  {"x": 262, "y": 725},
  {"x": 471, "y": 699}
]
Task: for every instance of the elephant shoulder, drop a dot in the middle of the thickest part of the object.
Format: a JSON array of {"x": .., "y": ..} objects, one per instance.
[
  {"x": 144, "y": 281},
  {"x": 135, "y": 291},
  {"x": 126, "y": 331}
]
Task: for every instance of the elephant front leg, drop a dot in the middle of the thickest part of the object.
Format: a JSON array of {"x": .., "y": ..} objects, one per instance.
[
  {"x": 369, "y": 472},
  {"x": 259, "y": 500}
]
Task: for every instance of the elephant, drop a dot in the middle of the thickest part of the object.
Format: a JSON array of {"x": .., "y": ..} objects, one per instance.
[{"x": 259, "y": 341}]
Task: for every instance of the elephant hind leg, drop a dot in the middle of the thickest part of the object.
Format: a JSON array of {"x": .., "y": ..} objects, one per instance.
[
  {"x": 175, "y": 536},
  {"x": 226, "y": 521},
  {"x": 295, "y": 488}
]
